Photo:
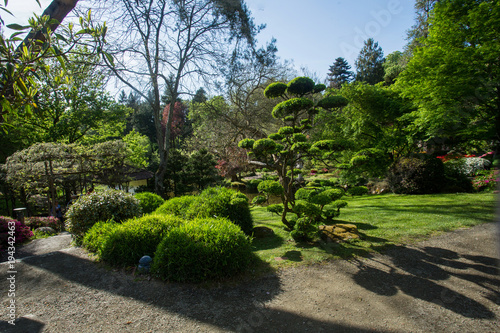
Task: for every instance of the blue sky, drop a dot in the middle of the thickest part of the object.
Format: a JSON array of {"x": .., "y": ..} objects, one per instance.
[
  {"x": 312, "y": 33},
  {"x": 315, "y": 32}
]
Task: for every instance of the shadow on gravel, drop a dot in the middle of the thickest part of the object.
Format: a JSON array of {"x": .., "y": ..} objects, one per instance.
[
  {"x": 235, "y": 308},
  {"x": 422, "y": 268}
]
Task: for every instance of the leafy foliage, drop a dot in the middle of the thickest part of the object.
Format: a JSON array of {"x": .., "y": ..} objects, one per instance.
[
  {"x": 357, "y": 190},
  {"x": 453, "y": 78},
  {"x": 202, "y": 249},
  {"x": 18, "y": 89}
]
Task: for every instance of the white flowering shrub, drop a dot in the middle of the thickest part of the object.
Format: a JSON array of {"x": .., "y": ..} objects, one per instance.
[
  {"x": 100, "y": 206},
  {"x": 468, "y": 166}
]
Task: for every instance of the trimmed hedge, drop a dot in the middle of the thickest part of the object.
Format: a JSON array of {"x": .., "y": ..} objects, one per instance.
[
  {"x": 178, "y": 206},
  {"x": 149, "y": 201},
  {"x": 212, "y": 202},
  {"x": 202, "y": 249},
  {"x": 124, "y": 244},
  {"x": 95, "y": 237}
]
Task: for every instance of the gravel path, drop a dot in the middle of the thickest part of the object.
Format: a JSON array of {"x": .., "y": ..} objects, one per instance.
[{"x": 449, "y": 283}]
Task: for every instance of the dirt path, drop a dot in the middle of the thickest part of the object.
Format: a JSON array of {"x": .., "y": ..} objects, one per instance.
[{"x": 449, "y": 283}]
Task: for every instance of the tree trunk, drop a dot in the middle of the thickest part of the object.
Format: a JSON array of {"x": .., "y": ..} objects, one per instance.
[{"x": 58, "y": 9}]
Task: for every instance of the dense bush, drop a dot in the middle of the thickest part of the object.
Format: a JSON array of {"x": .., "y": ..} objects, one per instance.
[
  {"x": 178, "y": 206},
  {"x": 469, "y": 166},
  {"x": 46, "y": 221},
  {"x": 416, "y": 175},
  {"x": 124, "y": 244},
  {"x": 357, "y": 190},
  {"x": 202, "y": 249},
  {"x": 149, "y": 201},
  {"x": 100, "y": 206},
  {"x": 456, "y": 180},
  {"x": 94, "y": 238},
  {"x": 212, "y": 202},
  {"x": 18, "y": 232}
]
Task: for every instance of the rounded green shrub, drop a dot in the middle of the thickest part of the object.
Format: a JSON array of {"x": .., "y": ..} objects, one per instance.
[
  {"x": 270, "y": 187},
  {"x": 259, "y": 200},
  {"x": 214, "y": 201},
  {"x": 276, "y": 136},
  {"x": 126, "y": 243},
  {"x": 94, "y": 238},
  {"x": 416, "y": 175},
  {"x": 275, "y": 89},
  {"x": 220, "y": 202},
  {"x": 300, "y": 86},
  {"x": 149, "y": 201},
  {"x": 358, "y": 190},
  {"x": 456, "y": 180},
  {"x": 319, "y": 88},
  {"x": 275, "y": 209},
  {"x": 246, "y": 143},
  {"x": 177, "y": 206},
  {"x": 264, "y": 146},
  {"x": 202, "y": 249},
  {"x": 100, "y": 206},
  {"x": 252, "y": 184}
]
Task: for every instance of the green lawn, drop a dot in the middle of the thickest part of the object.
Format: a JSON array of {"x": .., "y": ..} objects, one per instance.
[{"x": 382, "y": 221}]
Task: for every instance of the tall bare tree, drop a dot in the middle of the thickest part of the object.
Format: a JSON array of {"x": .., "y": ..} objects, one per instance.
[{"x": 166, "y": 44}]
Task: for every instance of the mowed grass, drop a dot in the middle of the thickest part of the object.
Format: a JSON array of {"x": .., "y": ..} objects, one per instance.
[{"x": 382, "y": 221}]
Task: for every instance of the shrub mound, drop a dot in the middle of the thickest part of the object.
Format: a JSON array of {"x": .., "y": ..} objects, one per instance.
[
  {"x": 15, "y": 229},
  {"x": 416, "y": 175},
  {"x": 95, "y": 237},
  {"x": 202, "y": 249},
  {"x": 124, "y": 244},
  {"x": 149, "y": 201},
  {"x": 100, "y": 206},
  {"x": 212, "y": 202},
  {"x": 358, "y": 190}
]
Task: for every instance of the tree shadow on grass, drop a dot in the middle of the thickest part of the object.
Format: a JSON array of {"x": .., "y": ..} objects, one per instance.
[
  {"x": 267, "y": 243},
  {"x": 293, "y": 255}
]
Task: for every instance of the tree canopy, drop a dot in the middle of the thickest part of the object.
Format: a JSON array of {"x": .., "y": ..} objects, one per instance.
[{"x": 454, "y": 77}]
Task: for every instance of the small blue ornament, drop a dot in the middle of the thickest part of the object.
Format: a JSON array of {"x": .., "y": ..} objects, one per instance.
[{"x": 145, "y": 264}]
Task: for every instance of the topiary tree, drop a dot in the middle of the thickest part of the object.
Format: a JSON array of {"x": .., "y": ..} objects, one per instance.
[
  {"x": 315, "y": 205},
  {"x": 282, "y": 151}
]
